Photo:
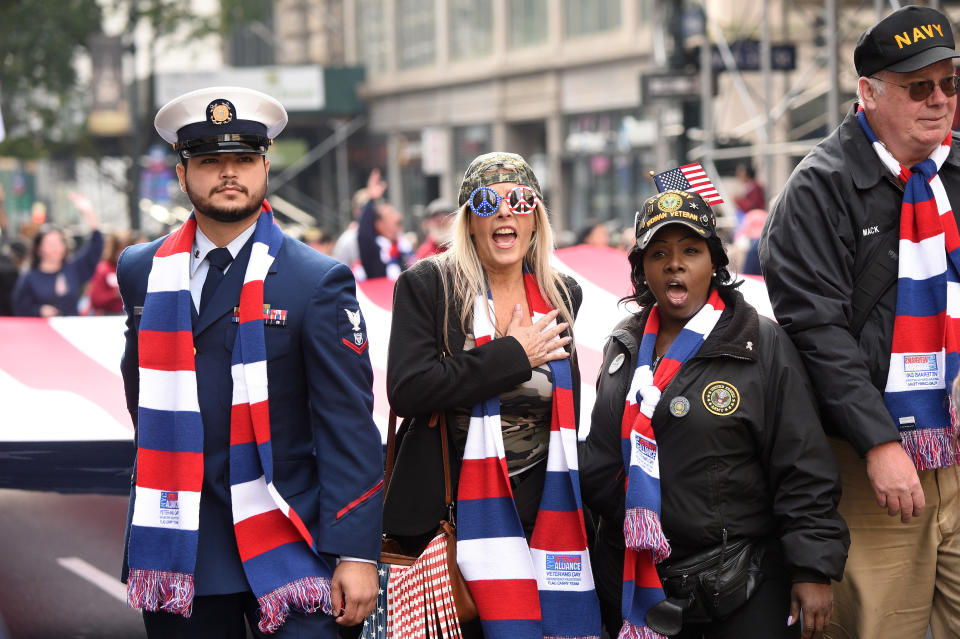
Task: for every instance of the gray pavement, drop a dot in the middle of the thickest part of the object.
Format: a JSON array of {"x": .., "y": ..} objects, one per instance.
[{"x": 60, "y": 561}]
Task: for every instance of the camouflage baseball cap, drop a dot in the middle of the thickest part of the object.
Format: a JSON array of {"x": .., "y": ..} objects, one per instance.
[{"x": 494, "y": 168}]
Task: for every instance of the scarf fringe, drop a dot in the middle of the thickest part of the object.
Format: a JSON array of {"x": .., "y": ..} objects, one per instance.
[
  {"x": 155, "y": 590},
  {"x": 641, "y": 530},
  {"x": 307, "y": 595},
  {"x": 930, "y": 448},
  {"x": 630, "y": 631}
]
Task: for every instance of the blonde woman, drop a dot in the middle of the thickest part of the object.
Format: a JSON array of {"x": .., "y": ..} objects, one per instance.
[{"x": 483, "y": 334}]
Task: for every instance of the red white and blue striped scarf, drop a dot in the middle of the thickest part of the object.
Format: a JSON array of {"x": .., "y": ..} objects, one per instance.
[
  {"x": 521, "y": 592},
  {"x": 646, "y": 545},
  {"x": 277, "y": 550},
  {"x": 924, "y": 356}
]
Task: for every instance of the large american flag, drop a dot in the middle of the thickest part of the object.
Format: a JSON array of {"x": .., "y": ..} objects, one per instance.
[{"x": 689, "y": 177}]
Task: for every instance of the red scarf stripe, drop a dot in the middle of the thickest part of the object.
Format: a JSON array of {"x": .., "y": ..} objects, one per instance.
[
  {"x": 560, "y": 530},
  {"x": 562, "y": 408},
  {"x": 241, "y": 427},
  {"x": 170, "y": 471},
  {"x": 921, "y": 222},
  {"x": 251, "y": 302},
  {"x": 262, "y": 533},
  {"x": 166, "y": 351},
  {"x": 180, "y": 241},
  {"x": 914, "y": 333},
  {"x": 480, "y": 478},
  {"x": 507, "y": 598}
]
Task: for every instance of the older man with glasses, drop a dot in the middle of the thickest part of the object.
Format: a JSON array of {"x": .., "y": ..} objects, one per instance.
[{"x": 862, "y": 263}]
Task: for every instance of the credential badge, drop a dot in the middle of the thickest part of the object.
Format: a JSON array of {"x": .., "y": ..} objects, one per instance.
[
  {"x": 679, "y": 406},
  {"x": 615, "y": 364}
]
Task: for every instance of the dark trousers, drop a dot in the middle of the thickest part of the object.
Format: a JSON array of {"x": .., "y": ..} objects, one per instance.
[
  {"x": 764, "y": 615},
  {"x": 228, "y": 617}
]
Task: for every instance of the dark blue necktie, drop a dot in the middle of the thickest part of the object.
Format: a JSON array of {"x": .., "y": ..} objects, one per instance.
[{"x": 218, "y": 259}]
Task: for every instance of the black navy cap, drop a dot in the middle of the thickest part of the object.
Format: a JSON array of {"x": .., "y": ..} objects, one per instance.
[
  {"x": 906, "y": 40},
  {"x": 221, "y": 120}
]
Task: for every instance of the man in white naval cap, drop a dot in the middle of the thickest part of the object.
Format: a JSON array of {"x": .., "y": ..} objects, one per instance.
[{"x": 258, "y": 485}]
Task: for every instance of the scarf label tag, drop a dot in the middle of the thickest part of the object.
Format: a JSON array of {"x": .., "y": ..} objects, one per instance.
[
  {"x": 169, "y": 508},
  {"x": 644, "y": 455},
  {"x": 563, "y": 569},
  {"x": 916, "y": 371}
]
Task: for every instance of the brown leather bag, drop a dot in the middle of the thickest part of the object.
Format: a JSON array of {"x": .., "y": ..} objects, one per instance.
[{"x": 391, "y": 552}]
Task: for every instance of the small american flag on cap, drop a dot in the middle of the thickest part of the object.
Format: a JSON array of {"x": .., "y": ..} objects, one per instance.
[{"x": 689, "y": 177}]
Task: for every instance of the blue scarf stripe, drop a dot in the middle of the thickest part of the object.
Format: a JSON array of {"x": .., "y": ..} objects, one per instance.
[
  {"x": 921, "y": 404},
  {"x": 556, "y": 491},
  {"x": 646, "y": 488},
  {"x": 244, "y": 465},
  {"x": 283, "y": 565},
  {"x": 254, "y": 350},
  {"x": 917, "y": 298},
  {"x": 511, "y": 628},
  {"x": 496, "y": 517},
  {"x": 165, "y": 549},
  {"x": 165, "y": 315},
  {"x": 185, "y": 435}
]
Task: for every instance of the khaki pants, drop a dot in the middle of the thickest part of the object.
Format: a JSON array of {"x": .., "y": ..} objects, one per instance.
[{"x": 899, "y": 578}]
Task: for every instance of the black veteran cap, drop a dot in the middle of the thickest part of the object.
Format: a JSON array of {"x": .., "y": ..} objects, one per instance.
[
  {"x": 674, "y": 207},
  {"x": 221, "y": 120},
  {"x": 906, "y": 40}
]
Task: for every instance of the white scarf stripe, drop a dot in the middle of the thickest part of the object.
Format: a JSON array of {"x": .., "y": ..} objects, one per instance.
[
  {"x": 928, "y": 257},
  {"x": 155, "y": 391},
  {"x": 562, "y": 460},
  {"x": 251, "y": 499},
  {"x": 481, "y": 447},
  {"x": 259, "y": 264},
  {"x": 169, "y": 274},
  {"x": 497, "y": 558}
]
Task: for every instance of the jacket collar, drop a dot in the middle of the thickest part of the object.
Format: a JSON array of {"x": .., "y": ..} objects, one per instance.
[
  {"x": 862, "y": 161},
  {"x": 735, "y": 335}
]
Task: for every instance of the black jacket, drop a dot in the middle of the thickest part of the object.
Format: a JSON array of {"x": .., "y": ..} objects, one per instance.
[
  {"x": 420, "y": 382},
  {"x": 762, "y": 470},
  {"x": 839, "y": 210}
]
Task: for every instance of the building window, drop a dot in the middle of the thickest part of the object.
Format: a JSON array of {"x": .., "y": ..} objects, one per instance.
[
  {"x": 468, "y": 143},
  {"x": 371, "y": 36},
  {"x": 526, "y": 23},
  {"x": 416, "y": 45},
  {"x": 248, "y": 47},
  {"x": 583, "y": 17},
  {"x": 471, "y": 28}
]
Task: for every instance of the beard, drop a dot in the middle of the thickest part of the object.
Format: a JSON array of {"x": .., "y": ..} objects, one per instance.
[{"x": 236, "y": 212}]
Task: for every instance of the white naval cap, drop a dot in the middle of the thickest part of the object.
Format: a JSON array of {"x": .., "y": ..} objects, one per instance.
[{"x": 221, "y": 120}]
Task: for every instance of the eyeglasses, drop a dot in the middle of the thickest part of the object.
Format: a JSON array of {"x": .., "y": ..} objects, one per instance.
[
  {"x": 921, "y": 89},
  {"x": 484, "y": 201}
]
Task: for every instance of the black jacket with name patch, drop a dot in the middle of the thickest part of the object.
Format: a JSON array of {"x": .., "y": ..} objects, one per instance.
[{"x": 839, "y": 211}]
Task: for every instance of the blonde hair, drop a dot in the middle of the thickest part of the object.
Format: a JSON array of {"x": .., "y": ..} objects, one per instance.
[{"x": 462, "y": 265}]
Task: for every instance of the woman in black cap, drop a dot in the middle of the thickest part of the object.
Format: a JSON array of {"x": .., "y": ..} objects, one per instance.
[{"x": 705, "y": 408}]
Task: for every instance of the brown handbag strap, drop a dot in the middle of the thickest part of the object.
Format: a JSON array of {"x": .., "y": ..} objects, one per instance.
[{"x": 437, "y": 418}]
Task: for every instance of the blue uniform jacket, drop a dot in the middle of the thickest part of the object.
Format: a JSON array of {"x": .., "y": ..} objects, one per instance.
[{"x": 327, "y": 459}]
